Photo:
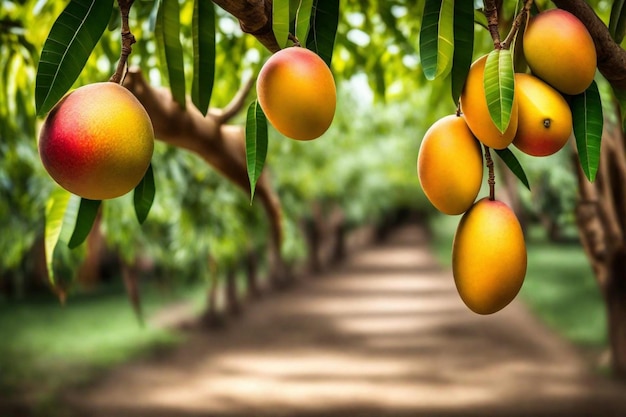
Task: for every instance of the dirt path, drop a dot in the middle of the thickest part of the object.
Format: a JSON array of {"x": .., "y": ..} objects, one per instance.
[{"x": 383, "y": 335}]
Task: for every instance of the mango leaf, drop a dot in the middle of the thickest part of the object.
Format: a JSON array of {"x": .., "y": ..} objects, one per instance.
[
  {"x": 203, "y": 32},
  {"x": 303, "y": 20},
  {"x": 617, "y": 21},
  {"x": 511, "y": 161},
  {"x": 143, "y": 196},
  {"x": 463, "y": 45},
  {"x": 85, "y": 218},
  {"x": 159, "y": 40},
  {"x": 56, "y": 207},
  {"x": 280, "y": 21},
  {"x": 588, "y": 122},
  {"x": 168, "y": 23},
  {"x": 620, "y": 95},
  {"x": 323, "y": 28},
  {"x": 70, "y": 42},
  {"x": 499, "y": 83},
  {"x": 437, "y": 38},
  {"x": 481, "y": 19},
  {"x": 256, "y": 143}
]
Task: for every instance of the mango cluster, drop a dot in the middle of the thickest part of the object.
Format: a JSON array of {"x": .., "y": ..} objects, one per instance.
[
  {"x": 488, "y": 252},
  {"x": 489, "y": 257}
]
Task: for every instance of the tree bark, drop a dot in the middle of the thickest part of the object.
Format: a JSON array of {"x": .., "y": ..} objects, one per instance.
[{"x": 255, "y": 18}]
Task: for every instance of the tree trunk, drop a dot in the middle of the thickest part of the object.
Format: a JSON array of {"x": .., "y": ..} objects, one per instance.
[
  {"x": 615, "y": 296},
  {"x": 601, "y": 218},
  {"x": 130, "y": 275},
  {"x": 233, "y": 307},
  {"x": 312, "y": 235},
  {"x": 252, "y": 275}
]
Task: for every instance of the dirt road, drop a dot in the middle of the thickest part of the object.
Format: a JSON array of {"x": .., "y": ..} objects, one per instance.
[{"x": 385, "y": 334}]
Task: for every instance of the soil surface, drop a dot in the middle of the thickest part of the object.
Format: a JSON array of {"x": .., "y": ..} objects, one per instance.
[{"x": 383, "y": 334}]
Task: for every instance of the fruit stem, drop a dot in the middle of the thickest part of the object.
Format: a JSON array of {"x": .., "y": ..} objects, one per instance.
[
  {"x": 522, "y": 17},
  {"x": 128, "y": 39},
  {"x": 492, "y": 176},
  {"x": 295, "y": 40},
  {"x": 491, "y": 11}
]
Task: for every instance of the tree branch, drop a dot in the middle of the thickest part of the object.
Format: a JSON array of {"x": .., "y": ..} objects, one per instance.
[
  {"x": 491, "y": 11},
  {"x": 128, "y": 39},
  {"x": 255, "y": 18},
  {"x": 221, "y": 145},
  {"x": 236, "y": 104},
  {"x": 611, "y": 57}
]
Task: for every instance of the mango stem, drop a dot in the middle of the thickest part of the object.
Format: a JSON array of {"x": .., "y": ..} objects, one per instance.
[
  {"x": 520, "y": 19},
  {"x": 295, "y": 40},
  {"x": 492, "y": 176},
  {"x": 128, "y": 39},
  {"x": 491, "y": 12}
]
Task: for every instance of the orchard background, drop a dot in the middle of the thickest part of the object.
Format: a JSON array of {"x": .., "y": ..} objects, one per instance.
[{"x": 203, "y": 236}]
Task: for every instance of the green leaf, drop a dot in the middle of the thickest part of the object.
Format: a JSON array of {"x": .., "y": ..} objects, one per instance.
[
  {"x": 168, "y": 22},
  {"x": 437, "y": 38},
  {"x": 588, "y": 122},
  {"x": 499, "y": 83},
  {"x": 70, "y": 42},
  {"x": 323, "y": 28},
  {"x": 481, "y": 19},
  {"x": 303, "y": 19},
  {"x": 56, "y": 207},
  {"x": 203, "y": 30},
  {"x": 256, "y": 143},
  {"x": 511, "y": 161},
  {"x": 143, "y": 196},
  {"x": 85, "y": 218},
  {"x": 463, "y": 46},
  {"x": 617, "y": 21},
  {"x": 280, "y": 21},
  {"x": 620, "y": 95}
]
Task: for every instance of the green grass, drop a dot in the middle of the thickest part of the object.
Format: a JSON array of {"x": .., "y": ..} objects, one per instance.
[
  {"x": 559, "y": 288},
  {"x": 45, "y": 346}
]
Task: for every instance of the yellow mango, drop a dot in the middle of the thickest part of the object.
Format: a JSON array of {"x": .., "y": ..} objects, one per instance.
[
  {"x": 488, "y": 256},
  {"x": 450, "y": 165}
]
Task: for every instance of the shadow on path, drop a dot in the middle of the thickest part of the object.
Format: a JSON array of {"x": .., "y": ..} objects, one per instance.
[{"x": 385, "y": 334}]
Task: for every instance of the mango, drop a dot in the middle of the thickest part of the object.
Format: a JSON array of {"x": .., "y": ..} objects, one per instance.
[
  {"x": 544, "y": 118},
  {"x": 476, "y": 113},
  {"x": 560, "y": 51},
  {"x": 450, "y": 165},
  {"x": 97, "y": 141},
  {"x": 297, "y": 93},
  {"x": 488, "y": 256}
]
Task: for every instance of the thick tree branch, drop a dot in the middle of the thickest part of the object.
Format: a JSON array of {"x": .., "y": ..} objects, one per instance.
[
  {"x": 611, "y": 57},
  {"x": 255, "y": 18},
  {"x": 221, "y": 145}
]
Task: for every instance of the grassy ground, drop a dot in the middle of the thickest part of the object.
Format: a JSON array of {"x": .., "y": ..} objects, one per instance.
[
  {"x": 45, "y": 346},
  {"x": 559, "y": 286}
]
